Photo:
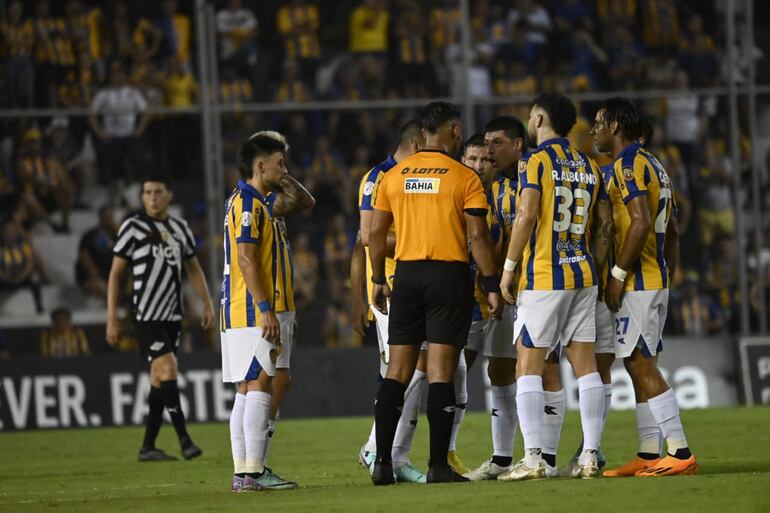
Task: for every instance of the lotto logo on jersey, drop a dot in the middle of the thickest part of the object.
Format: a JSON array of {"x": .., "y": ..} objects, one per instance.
[{"x": 422, "y": 185}]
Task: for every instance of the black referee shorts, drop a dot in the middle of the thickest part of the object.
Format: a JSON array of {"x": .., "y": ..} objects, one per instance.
[
  {"x": 157, "y": 338},
  {"x": 433, "y": 301}
]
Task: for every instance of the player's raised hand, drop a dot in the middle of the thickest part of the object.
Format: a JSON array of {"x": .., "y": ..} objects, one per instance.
[
  {"x": 381, "y": 295},
  {"x": 495, "y": 305},
  {"x": 113, "y": 331},
  {"x": 613, "y": 295},
  {"x": 271, "y": 330},
  {"x": 508, "y": 287},
  {"x": 207, "y": 319}
]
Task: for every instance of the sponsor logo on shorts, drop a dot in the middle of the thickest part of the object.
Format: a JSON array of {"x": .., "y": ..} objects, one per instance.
[
  {"x": 422, "y": 185},
  {"x": 157, "y": 345}
]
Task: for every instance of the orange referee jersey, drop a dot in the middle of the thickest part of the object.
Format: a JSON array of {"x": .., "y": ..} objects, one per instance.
[{"x": 427, "y": 194}]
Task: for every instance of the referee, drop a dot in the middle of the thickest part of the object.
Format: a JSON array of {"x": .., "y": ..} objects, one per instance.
[
  {"x": 155, "y": 245},
  {"x": 436, "y": 204}
]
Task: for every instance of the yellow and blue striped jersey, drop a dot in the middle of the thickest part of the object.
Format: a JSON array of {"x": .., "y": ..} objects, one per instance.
[
  {"x": 557, "y": 256},
  {"x": 637, "y": 172},
  {"x": 504, "y": 203},
  {"x": 284, "y": 272},
  {"x": 367, "y": 193},
  {"x": 480, "y": 302},
  {"x": 603, "y": 272},
  {"x": 248, "y": 220}
]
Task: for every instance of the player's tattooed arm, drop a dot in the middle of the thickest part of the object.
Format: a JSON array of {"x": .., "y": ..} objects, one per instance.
[
  {"x": 603, "y": 233},
  {"x": 359, "y": 311},
  {"x": 294, "y": 197},
  {"x": 671, "y": 245}
]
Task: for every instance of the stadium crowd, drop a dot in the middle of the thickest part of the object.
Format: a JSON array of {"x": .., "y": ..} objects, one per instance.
[{"x": 134, "y": 56}]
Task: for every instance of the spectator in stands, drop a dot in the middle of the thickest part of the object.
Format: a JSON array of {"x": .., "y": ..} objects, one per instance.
[
  {"x": 697, "y": 52},
  {"x": 533, "y": 19},
  {"x": 62, "y": 146},
  {"x": 180, "y": 88},
  {"x": 20, "y": 266},
  {"x": 77, "y": 89},
  {"x": 337, "y": 244},
  {"x": 18, "y": 40},
  {"x": 119, "y": 37},
  {"x": 146, "y": 39},
  {"x": 660, "y": 21},
  {"x": 237, "y": 29},
  {"x": 43, "y": 182},
  {"x": 720, "y": 280},
  {"x": 625, "y": 54},
  {"x": 696, "y": 314},
  {"x": 92, "y": 268},
  {"x": 62, "y": 339},
  {"x": 716, "y": 213},
  {"x": 443, "y": 30},
  {"x": 291, "y": 89},
  {"x": 369, "y": 28},
  {"x": 305, "y": 272},
  {"x": 118, "y": 119},
  {"x": 175, "y": 34},
  {"x": 683, "y": 119},
  {"x": 411, "y": 52},
  {"x": 298, "y": 24},
  {"x": 613, "y": 13},
  {"x": 234, "y": 89}
]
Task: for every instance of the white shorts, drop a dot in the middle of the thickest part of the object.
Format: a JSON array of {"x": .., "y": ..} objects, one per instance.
[
  {"x": 286, "y": 321},
  {"x": 639, "y": 322},
  {"x": 239, "y": 347},
  {"x": 381, "y": 322},
  {"x": 605, "y": 329},
  {"x": 476, "y": 336},
  {"x": 545, "y": 317},
  {"x": 498, "y": 339}
]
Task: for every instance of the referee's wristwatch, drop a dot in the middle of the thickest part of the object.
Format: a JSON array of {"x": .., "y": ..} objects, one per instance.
[{"x": 379, "y": 280}]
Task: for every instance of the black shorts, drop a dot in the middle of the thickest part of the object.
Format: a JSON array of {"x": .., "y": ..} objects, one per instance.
[
  {"x": 433, "y": 301},
  {"x": 157, "y": 338}
]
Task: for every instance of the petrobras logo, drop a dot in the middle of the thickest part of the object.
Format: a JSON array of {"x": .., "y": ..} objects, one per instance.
[{"x": 422, "y": 185}]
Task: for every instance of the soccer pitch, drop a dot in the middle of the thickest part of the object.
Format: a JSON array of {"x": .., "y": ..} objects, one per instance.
[{"x": 96, "y": 470}]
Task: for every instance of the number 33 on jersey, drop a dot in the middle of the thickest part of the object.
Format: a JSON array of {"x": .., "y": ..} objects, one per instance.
[{"x": 557, "y": 256}]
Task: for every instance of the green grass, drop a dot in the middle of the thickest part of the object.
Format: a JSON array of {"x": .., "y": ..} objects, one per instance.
[{"x": 95, "y": 470}]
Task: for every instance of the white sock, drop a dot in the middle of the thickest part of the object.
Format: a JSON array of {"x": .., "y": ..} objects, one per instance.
[
  {"x": 461, "y": 399},
  {"x": 648, "y": 430},
  {"x": 555, "y": 405},
  {"x": 237, "y": 440},
  {"x": 665, "y": 409},
  {"x": 371, "y": 444},
  {"x": 504, "y": 420},
  {"x": 591, "y": 390},
  {"x": 607, "y": 403},
  {"x": 530, "y": 404},
  {"x": 269, "y": 439},
  {"x": 407, "y": 424},
  {"x": 255, "y": 418}
]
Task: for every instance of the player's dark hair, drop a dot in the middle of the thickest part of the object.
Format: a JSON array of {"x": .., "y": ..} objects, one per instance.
[
  {"x": 560, "y": 110},
  {"x": 510, "y": 125},
  {"x": 412, "y": 129},
  {"x": 157, "y": 178},
  {"x": 257, "y": 146},
  {"x": 61, "y": 311},
  {"x": 474, "y": 141},
  {"x": 435, "y": 114},
  {"x": 623, "y": 112},
  {"x": 646, "y": 131}
]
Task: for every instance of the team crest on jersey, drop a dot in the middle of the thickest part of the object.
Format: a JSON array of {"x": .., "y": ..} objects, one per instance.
[
  {"x": 628, "y": 174},
  {"x": 422, "y": 185},
  {"x": 164, "y": 235},
  {"x": 246, "y": 218},
  {"x": 368, "y": 188},
  {"x": 522, "y": 166}
]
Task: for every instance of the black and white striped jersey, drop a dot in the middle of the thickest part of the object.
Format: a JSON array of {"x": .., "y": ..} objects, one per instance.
[{"x": 156, "y": 250}]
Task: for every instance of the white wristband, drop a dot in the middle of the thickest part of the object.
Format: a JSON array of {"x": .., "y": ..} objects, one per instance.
[
  {"x": 509, "y": 265},
  {"x": 618, "y": 273}
]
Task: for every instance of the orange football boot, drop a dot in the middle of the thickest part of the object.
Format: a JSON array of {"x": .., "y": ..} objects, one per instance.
[
  {"x": 631, "y": 468},
  {"x": 670, "y": 466}
]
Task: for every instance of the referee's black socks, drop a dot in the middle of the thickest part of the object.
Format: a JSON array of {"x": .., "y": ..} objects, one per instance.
[
  {"x": 387, "y": 411},
  {"x": 441, "y": 414},
  {"x": 170, "y": 391}
]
